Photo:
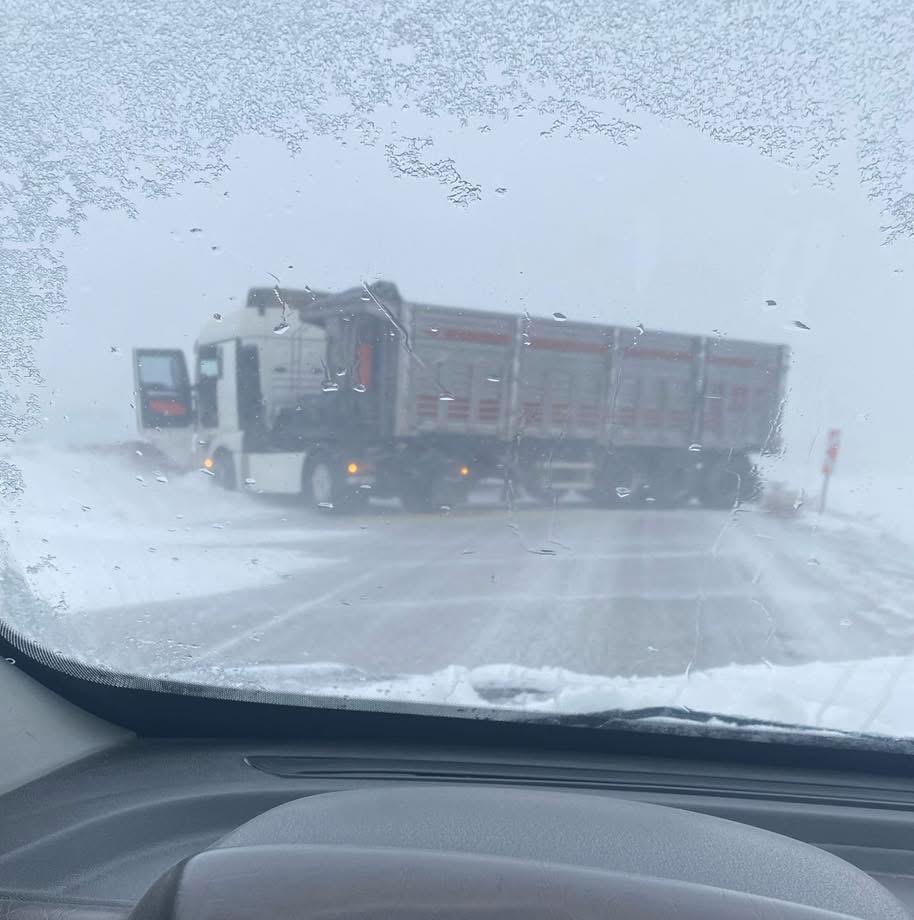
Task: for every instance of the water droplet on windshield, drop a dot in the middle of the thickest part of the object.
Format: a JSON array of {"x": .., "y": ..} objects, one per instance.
[
  {"x": 800, "y": 325},
  {"x": 434, "y": 330},
  {"x": 446, "y": 397},
  {"x": 281, "y": 328},
  {"x": 250, "y": 482},
  {"x": 325, "y": 505},
  {"x": 695, "y": 448},
  {"x": 204, "y": 470},
  {"x": 160, "y": 478},
  {"x": 329, "y": 386},
  {"x": 559, "y": 317},
  {"x": 139, "y": 453},
  {"x": 341, "y": 373},
  {"x": 359, "y": 388},
  {"x": 501, "y": 190},
  {"x": 365, "y": 298},
  {"x": 639, "y": 329},
  {"x": 493, "y": 378},
  {"x": 196, "y": 230},
  {"x": 140, "y": 479},
  {"x": 217, "y": 317},
  {"x": 771, "y": 303},
  {"x": 623, "y": 491},
  {"x": 813, "y": 561}
]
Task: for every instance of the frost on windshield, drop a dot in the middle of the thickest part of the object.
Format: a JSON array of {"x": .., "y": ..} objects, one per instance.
[
  {"x": 106, "y": 107},
  {"x": 102, "y": 109}
]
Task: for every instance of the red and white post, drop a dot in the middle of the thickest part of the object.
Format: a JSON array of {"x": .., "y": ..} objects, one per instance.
[{"x": 832, "y": 446}]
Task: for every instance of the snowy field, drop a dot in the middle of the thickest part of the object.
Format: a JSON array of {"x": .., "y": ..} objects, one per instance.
[
  {"x": 770, "y": 612},
  {"x": 107, "y": 527}
]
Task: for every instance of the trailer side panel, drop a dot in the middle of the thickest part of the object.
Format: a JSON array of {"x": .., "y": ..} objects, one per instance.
[
  {"x": 456, "y": 372},
  {"x": 653, "y": 389},
  {"x": 742, "y": 394},
  {"x": 563, "y": 380}
]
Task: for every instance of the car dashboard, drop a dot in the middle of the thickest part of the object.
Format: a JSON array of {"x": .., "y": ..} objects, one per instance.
[{"x": 178, "y": 828}]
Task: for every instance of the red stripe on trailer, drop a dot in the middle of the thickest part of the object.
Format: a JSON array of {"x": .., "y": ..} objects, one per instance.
[
  {"x": 732, "y": 362},
  {"x": 625, "y": 417},
  {"x": 658, "y": 354},
  {"x": 477, "y": 335},
  {"x": 568, "y": 345}
]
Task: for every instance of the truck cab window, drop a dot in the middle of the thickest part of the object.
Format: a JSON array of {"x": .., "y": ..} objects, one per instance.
[{"x": 160, "y": 372}]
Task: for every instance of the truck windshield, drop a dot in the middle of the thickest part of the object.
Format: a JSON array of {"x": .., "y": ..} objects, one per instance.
[{"x": 547, "y": 361}]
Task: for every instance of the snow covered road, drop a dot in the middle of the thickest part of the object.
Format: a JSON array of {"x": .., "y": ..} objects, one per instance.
[{"x": 165, "y": 575}]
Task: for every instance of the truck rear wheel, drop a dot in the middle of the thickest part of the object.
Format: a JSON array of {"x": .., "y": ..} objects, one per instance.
[
  {"x": 432, "y": 493},
  {"x": 672, "y": 483},
  {"x": 620, "y": 482},
  {"x": 727, "y": 481}
]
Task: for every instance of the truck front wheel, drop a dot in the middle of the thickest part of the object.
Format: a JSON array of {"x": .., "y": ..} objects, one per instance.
[
  {"x": 224, "y": 471},
  {"x": 323, "y": 487}
]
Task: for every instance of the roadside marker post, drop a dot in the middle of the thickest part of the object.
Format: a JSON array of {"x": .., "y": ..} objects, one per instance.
[{"x": 832, "y": 446}]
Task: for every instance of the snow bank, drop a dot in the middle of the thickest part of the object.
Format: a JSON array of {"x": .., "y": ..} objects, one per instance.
[
  {"x": 882, "y": 502},
  {"x": 856, "y": 696},
  {"x": 105, "y": 527},
  {"x": 886, "y": 502}
]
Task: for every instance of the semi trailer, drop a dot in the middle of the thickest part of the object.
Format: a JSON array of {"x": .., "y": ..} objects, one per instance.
[{"x": 344, "y": 396}]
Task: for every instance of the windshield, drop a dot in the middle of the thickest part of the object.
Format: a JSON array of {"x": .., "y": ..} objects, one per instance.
[{"x": 522, "y": 358}]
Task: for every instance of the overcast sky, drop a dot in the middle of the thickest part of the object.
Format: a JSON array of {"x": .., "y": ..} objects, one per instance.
[{"x": 675, "y": 231}]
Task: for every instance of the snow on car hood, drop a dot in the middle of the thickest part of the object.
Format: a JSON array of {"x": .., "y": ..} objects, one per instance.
[{"x": 870, "y": 696}]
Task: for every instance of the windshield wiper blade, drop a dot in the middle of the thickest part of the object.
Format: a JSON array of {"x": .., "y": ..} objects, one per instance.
[{"x": 619, "y": 718}]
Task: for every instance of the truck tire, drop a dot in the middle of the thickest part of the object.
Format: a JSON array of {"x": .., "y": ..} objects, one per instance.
[
  {"x": 620, "y": 483},
  {"x": 432, "y": 493},
  {"x": 546, "y": 495},
  {"x": 324, "y": 489},
  {"x": 224, "y": 471},
  {"x": 672, "y": 483},
  {"x": 537, "y": 486},
  {"x": 727, "y": 482}
]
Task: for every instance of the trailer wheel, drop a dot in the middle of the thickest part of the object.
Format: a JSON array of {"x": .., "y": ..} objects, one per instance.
[
  {"x": 672, "y": 483},
  {"x": 620, "y": 483},
  {"x": 432, "y": 493},
  {"x": 547, "y": 495},
  {"x": 728, "y": 481},
  {"x": 537, "y": 486},
  {"x": 224, "y": 471}
]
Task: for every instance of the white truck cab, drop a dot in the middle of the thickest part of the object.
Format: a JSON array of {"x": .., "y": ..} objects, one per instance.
[{"x": 252, "y": 369}]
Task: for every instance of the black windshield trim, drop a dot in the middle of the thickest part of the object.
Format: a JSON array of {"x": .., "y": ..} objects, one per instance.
[{"x": 158, "y": 708}]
